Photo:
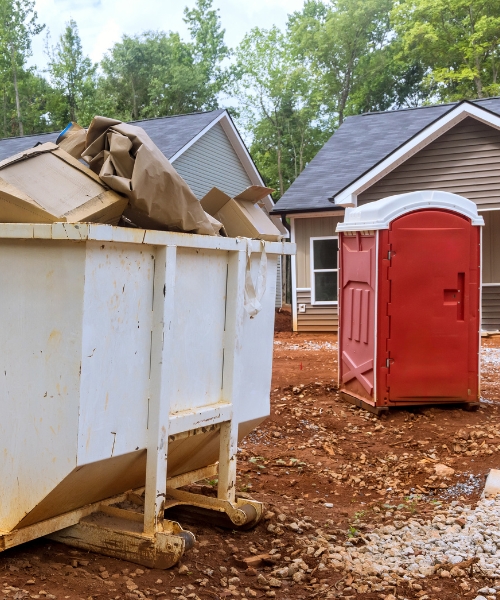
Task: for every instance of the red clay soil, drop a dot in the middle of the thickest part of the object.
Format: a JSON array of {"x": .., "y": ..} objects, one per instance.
[{"x": 314, "y": 449}]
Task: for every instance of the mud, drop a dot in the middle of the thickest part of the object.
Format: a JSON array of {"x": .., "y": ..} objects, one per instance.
[{"x": 317, "y": 461}]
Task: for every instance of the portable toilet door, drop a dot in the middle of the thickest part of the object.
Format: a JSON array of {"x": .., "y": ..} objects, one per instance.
[{"x": 409, "y": 301}]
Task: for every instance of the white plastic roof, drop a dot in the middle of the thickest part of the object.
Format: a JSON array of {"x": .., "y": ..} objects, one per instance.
[{"x": 379, "y": 214}]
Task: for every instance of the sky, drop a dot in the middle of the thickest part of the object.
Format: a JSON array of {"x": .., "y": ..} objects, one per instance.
[{"x": 103, "y": 22}]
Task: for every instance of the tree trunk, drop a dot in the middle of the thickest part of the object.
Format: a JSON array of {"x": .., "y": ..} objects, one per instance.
[
  {"x": 345, "y": 93},
  {"x": 477, "y": 80},
  {"x": 301, "y": 152},
  {"x": 4, "y": 113},
  {"x": 16, "y": 91},
  {"x": 280, "y": 174},
  {"x": 134, "y": 100}
]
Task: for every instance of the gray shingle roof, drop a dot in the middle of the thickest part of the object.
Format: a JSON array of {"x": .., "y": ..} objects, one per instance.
[
  {"x": 356, "y": 147},
  {"x": 170, "y": 134}
]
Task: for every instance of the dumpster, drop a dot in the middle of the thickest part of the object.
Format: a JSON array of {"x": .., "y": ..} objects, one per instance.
[
  {"x": 132, "y": 362},
  {"x": 409, "y": 290}
]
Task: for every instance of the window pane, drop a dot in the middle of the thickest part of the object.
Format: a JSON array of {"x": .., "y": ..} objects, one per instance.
[
  {"x": 325, "y": 254},
  {"x": 325, "y": 287}
]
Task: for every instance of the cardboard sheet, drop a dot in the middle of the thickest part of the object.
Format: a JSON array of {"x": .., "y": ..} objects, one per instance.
[
  {"x": 241, "y": 216},
  {"x": 72, "y": 140},
  {"x": 127, "y": 160},
  {"x": 45, "y": 184}
]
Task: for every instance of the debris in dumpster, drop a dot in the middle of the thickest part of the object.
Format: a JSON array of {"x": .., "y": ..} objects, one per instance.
[
  {"x": 241, "y": 216},
  {"x": 45, "y": 184},
  {"x": 72, "y": 140},
  {"x": 127, "y": 160}
]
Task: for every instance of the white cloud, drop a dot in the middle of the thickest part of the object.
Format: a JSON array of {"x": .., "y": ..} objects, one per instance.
[{"x": 103, "y": 22}]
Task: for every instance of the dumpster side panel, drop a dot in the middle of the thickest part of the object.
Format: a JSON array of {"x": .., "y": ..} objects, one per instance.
[
  {"x": 91, "y": 483},
  {"x": 115, "y": 350},
  {"x": 200, "y": 300},
  {"x": 41, "y": 302},
  {"x": 252, "y": 377},
  {"x": 255, "y": 353}
]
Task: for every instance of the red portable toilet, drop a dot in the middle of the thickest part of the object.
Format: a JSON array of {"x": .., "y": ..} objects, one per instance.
[{"x": 409, "y": 301}]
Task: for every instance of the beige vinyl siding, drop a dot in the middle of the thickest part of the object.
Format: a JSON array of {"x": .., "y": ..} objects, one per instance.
[
  {"x": 491, "y": 308},
  {"x": 465, "y": 161},
  {"x": 212, "y": 162},
  {"x": 491, "y": 246},
  {"x": 305, "y": 229},
  {"x": 316, "y": 318}
]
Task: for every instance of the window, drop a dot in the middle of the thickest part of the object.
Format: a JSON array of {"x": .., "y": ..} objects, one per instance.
[{"x": 324, "y": 270}]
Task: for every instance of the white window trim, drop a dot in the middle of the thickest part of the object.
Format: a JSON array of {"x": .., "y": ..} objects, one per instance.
[{"x": 313, "y": 270}]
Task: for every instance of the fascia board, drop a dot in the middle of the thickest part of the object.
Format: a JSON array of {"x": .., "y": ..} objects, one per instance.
[
  {"x": 312, "y": 215},
  {"x": 348, "y": 196}
]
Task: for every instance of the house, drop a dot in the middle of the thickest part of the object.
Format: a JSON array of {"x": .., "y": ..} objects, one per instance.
[
  {"x": 451, "y": 147},
  {"x": 205, "y": 148}
]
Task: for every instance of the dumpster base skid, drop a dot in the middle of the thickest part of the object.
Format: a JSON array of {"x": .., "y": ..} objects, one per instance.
[
  {"x": 243, "y": 513},
  {"x": 121, "y": 536}
]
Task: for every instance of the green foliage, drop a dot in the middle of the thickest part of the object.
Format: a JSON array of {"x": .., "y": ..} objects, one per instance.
[
  {"x": 209, "y": 48},
  {"x": 457, "y": 42},
  {"x": 34, "y": 96},
  {"x": 73, "y": 77},
  {"x": 157, "y": 73},
  {"x": 280, "y": 106},
  {"x": 151, "y": 75},
  {"x": 344, "y": 45},
  {"x": 18, "y": 25},
  {"x": 294, "y": 87}
]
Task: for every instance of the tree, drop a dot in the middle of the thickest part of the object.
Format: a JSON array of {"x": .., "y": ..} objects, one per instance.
[
  {"x": 387, "y": 79},
  {"x": 152, "y": 75},
  {"x": 177, "y": 83},
  {"x": 18, "y": 24},
  {"x": 72, "y": 75},
  {"x": 209, "y": 48},
  {"x": 126, "y": 71},
  {"x": 157, "y": 73},
  {"x": 34, "y": 96},
  {"x": 334, "y": 39},
  {"x": 281, "y": 108},
  {"x": 458, "y": 41}
]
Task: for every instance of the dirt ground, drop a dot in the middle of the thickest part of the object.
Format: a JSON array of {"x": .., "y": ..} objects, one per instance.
[{"x": 333, "y": 468}]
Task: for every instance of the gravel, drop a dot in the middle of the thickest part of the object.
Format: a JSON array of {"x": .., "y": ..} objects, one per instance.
[
  {"x": 413, "y": 548},
  {"x": 307, "y": 345}
]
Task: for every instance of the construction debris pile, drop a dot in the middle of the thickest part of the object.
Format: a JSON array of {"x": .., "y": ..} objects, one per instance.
[{"x": 113, "y": 173}]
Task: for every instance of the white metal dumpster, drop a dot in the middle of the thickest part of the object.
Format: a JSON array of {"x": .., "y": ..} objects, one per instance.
[{"x": 125, "y": 352}]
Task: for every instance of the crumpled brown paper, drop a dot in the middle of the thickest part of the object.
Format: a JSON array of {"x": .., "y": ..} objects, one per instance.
[{"x": 128, "y": 161}]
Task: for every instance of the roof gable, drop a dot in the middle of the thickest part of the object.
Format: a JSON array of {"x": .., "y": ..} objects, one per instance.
[
  {"x": 465, "y": 160},
  {"x": 361, "y": 144},
  {"x": 200, "y": 165}
]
